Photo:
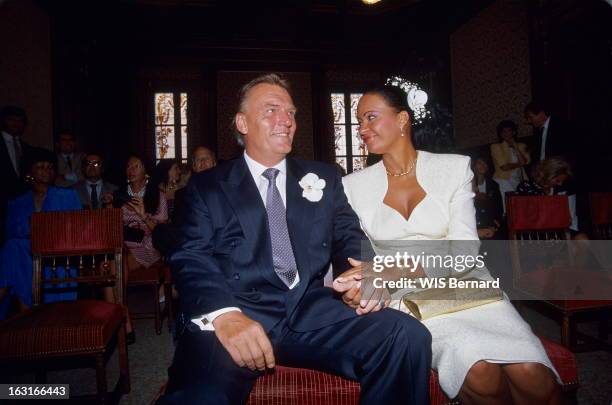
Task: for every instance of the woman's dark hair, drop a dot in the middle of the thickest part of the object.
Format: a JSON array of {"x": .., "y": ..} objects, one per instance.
[
  {"x": 37, "y": 155},
  {"x": 506, "y": 124},
  {"x": 161, "y": 170},
  {"x": 394, "y": 97},
  {"x": 151, "y": 196}
]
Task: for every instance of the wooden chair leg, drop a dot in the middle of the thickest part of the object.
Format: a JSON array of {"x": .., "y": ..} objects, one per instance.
[
  {"x": 124, "y": 365},
  {"x": 157, "y": 311},
  {"x": 101, "y": 379},
  {"x": 565, "y": 331}
]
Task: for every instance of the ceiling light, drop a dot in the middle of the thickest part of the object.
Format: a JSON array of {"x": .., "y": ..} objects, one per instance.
[{"x": 370, "y": 2}]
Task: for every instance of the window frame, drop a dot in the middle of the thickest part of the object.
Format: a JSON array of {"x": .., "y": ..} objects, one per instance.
[{"x": 348, "y": 125}]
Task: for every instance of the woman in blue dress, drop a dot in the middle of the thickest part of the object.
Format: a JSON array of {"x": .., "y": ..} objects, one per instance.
[{"x": 15, "y": 255}]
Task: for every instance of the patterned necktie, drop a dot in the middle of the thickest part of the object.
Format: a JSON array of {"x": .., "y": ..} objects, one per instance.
[
  {"x": 282, "y": 252},
  {"x": 94, "y": 196},
  {"x": 17, "y": 150}
]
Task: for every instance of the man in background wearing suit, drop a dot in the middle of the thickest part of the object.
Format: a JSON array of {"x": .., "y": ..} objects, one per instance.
[
  {"x": 13, "y": 152},
  {"x": 553, "y": 136},
  {"x": 93, "y": 191},
  {"x": 69, "y": 162},
  {"x": 259, "y": 234}
]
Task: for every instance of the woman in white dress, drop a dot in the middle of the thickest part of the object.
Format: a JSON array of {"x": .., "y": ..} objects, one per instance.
[{"x": 484, "y": 355}]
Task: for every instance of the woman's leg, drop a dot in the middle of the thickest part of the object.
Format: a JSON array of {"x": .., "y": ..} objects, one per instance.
[
  {"x": 485, "y": 384},
  {"x": 532, "y": 383}
]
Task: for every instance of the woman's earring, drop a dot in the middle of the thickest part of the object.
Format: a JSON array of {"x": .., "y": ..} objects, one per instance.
[{"x": 401, "y": 134}]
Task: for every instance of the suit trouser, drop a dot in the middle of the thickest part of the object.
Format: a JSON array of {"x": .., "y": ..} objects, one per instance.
[{"x": 388, "y": 352}]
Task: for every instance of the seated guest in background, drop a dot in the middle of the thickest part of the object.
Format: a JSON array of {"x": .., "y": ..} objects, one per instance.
[
  {"x": 16, "y": 256},
  {"x": 165, "y": 236},
  {"x": 143, "y": 207},
  {"x": 69, "y": 162},
  {"x": 13, "y": 152},
  {"x": 202, "y": 159},
  {"x": 168, "y": 176},
  {"x": 94, "y": 191},
  {"x": 487, "y": 200},
  {"x": 549, "y": 177},
  {"x": 509, "y": 159}
]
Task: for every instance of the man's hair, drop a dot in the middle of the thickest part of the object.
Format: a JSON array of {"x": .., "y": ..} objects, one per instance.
[
  {"x": 69, "y": 133},
  {"x": 270, "y": 78},
  {"x": 12, "y": 111},
  {"x": 535, "y": 107},
  {"x": 549, "y": 168},
  {"x": 193, "y": 151}
]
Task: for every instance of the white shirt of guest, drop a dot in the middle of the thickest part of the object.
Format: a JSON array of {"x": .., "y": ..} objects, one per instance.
[
  {"x": 256, "y": 169},
  {"x": 544, "y": 135},
  {"x": 9, "y": 141}
]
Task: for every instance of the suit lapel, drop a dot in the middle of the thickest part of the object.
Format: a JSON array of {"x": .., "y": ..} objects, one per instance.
[
  {"x": 300, "y": 213},
  {"x": 246, "y": 202}
]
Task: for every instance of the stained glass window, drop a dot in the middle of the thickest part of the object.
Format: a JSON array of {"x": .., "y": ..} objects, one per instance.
[
  {"x": 171, "y": 126},
  {"x": 350, "y": 152}
]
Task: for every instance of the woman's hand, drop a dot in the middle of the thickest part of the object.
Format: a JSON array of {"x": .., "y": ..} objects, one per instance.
[{"x": 136, "y": 204}]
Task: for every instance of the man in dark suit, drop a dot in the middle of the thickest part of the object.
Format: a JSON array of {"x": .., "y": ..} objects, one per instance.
[
  {"x": 13, "y": 152},
  {"x": 93, "y": 191},
  {"x": 250, "y": 274},
  {"x": 553, "y": 136}
]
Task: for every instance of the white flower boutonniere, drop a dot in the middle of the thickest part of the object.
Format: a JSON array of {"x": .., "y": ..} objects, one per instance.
[{"x": 313, "y": 187}]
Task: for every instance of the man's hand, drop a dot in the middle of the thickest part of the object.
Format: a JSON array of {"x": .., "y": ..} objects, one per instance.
[
  {"x": 245, "y": 340},
  {"x": 364, "y": 300}
]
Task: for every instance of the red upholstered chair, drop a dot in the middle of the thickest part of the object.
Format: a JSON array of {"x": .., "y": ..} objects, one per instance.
[
  {"x": 72, "y": 333},
  {"x": 546, "y": 218},
  {"x": 601, "y": 215},
  {"x": 296, "y": 386}
]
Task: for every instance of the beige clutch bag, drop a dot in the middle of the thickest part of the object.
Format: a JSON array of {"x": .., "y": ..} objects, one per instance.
[{"x": 434, "y": 302}]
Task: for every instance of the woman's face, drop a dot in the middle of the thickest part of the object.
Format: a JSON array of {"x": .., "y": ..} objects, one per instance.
[
  {"x": 379, "y": 124},
  {"x": 135, "y": 170},
  {"x": 481, "y": 167},
  {"x": 507, "y": 134},
  {"x": 174, "y": 174},
  {"x": 42, "y": 172}
]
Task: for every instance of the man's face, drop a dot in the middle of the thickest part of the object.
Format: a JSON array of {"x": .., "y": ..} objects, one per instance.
[
  {"x": 92, "y": 167},
  {"x": 66, "y": 142},
  {"x": 203, "y": 159},
  {"x": 268, "y": 123},
  {"x": 14, "y": 125},
  {"x": 536, "y": 120}
]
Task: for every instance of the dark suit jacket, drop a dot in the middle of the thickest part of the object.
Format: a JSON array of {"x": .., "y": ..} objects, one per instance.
[
  {"x": 225, "y": 259},
  {"x": 13, "y": 184},
  {"x": 560, "y": 141},
  {"x": 85, "y": 193},
  {"x": 488, "y": 206}
]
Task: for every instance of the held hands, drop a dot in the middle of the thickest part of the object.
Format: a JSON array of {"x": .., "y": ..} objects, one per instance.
[
  {"x": 357, "y": 288},
  {"x": 245, "y": 340},
  {"x": 107, "y": 199}
]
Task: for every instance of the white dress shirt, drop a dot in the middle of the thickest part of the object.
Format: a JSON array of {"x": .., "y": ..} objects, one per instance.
[
  {"x": 256, "y": 169},
  {"x": 544, "y": 135},
  {"x": 10, "y": 147}
]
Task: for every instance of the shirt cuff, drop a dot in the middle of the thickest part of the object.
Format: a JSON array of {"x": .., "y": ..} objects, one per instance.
[{"x": 205, "y": 322}]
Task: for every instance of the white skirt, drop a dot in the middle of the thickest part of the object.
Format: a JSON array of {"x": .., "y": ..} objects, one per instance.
[{"x": 494, "y": 332}]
